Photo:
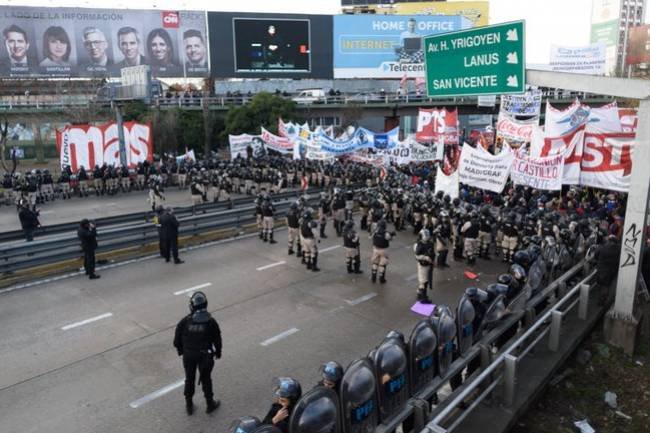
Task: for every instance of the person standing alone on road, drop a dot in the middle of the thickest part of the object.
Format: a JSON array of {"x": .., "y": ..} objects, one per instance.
[
  {"x": 169, "y": 236},
  {"x": 28, "y": 221},
  {"x": 198, "y": 340},
  {"x": 87, "y": 234}
]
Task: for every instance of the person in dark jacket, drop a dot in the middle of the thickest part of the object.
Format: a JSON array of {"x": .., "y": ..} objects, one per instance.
[
  {"x": 198, "y": 340},
  {"x": 28, "y": 221},
  {"x": 607, "y": 257},
  {"x": 169, "y": 236},
  {"x": 288, "y": 391},
  {"x": 87, "y": 234}
]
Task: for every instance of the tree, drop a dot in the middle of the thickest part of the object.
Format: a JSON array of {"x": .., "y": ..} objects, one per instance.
[
  {"x": 136, "y": 111},
  {"x": 264, "y": 110}
]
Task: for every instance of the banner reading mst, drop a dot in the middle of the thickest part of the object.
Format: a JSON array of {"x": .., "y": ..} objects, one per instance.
[{"x": 69, "y": 42}]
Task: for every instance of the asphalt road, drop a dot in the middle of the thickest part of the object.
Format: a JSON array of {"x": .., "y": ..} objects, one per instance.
[
  {"x": 92, "y": 207},
  {"x": 83, "y": 356}
]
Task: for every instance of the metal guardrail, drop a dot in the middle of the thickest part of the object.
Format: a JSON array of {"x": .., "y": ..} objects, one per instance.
[
  {"x": 143, "y": 216},
  {"x": 223, "y": 101},
  {"x": 503, "y": 370},
  {"x": 417, "y": 406},
  {"x": 26, "y": 255}
]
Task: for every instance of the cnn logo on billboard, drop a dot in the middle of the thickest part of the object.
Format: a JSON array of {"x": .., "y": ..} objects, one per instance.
[{"x": 171, "y": 19}]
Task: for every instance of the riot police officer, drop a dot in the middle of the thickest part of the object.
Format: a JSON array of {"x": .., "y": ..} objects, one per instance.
[
  {"x": 470, "y": 232},
  {"x": 485, "y": 232},
  {"x": 338, "y": 208},
  {"x": 324, "y": 211},
  {"x": 331, "y": 375},
  {"x": 510, "y": 237},
  {"x": 425, "y": 256},
  {"x": 268, "y": 210},
  {"x": 287, "y": 391},
  {"x": 308, "y": 237},
  {"x": 196, "y": 191},
  {"x": 380, "y": 242},
  {"x": 198, "y": 340},
  {"x": 443, "y": 234},
  {"x": 351, "y": 245},
  {"x": 293, "y": 228}
]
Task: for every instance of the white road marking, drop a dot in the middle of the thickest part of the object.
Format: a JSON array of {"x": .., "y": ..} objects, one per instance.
[
  {"x": 46, "y": 212},
  {"x": 324, "y": 250},
  {"x": 154, "y": 395},
  {"x": 412, "y": 277},
  {"x": 87, "y": 321},
  {"x": 272, "y": 265},
  {"x": 279, "y": 337},
  {"x": 364, "y": 298},
  {"x": 192, "y": 289}
]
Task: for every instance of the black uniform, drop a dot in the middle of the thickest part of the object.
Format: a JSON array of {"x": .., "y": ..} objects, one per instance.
[
  {"x": 198, "y": 341},
  {"x": 29, "y": 222},
  {"x": 88, "y": 236},
  {"x": 169, "y": 236}
]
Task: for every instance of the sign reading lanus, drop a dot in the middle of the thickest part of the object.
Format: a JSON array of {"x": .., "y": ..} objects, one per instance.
[{"x": 481, "y": 61}]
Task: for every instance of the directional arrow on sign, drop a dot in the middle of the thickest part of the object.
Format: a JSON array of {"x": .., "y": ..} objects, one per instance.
[
  {"x": 512, "y": 81},
  {"x": 512, "y": 58},
  {"x": 512, "y": 36}
]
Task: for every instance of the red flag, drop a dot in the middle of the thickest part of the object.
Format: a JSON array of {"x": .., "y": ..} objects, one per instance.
[{"x": 304, "y": 183}]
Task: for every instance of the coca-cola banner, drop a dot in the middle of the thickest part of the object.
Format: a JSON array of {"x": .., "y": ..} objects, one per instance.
[
  {"x": 607, "y": 160},
  {"x": 435, "y": 123},
  {"x": 515, "y": 132},
  {"x": 90, "y": 145}
]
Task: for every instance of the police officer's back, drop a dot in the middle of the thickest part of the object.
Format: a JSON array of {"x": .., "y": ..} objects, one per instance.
[{"x": 198, "y": 340}]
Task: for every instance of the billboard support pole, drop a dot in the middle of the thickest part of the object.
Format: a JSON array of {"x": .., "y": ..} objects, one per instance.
[
  {"x": 120, "y": 134},
  {"x": 621, "y": 321}
]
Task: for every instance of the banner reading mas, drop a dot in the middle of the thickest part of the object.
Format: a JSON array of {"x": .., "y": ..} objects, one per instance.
[
  {"x": 70, "y": 42},
  {"x": 386, "y": 46}
]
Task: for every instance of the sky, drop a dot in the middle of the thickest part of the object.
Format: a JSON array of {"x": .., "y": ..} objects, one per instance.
[{"x": 559, "y": 22}]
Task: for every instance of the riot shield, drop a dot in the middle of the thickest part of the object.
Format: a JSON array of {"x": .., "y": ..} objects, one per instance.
[
  {"x": 493, "y": 315},
  {"x": 565, "y": 258},
  {"x": 536, "y": 276},
  {"x": 391, "y": 371},
  {"x": 446, "y": 333},
  {"x": 422, "y": 355},
  {"x": 267, "y": 429},
  {"x": 465, "y": 315},
  {"x": 245, "y": 424},
  {"x": 318, "y": 411},
  {"x": 359, "y": 405}
]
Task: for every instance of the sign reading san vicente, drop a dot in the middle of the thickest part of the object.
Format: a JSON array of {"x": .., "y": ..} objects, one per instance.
[{"x": 486, "y": 60}]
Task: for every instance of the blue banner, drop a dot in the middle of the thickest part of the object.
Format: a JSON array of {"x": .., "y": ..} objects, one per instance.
[
  {"x": 386, "y": 46},
  {"x": 361, "y": 139}
]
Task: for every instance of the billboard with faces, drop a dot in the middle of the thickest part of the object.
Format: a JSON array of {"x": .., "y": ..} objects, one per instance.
[{"x": 72, "y": 42}]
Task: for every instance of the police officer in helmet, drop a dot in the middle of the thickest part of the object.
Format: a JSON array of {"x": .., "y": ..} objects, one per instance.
[
  {"x": 331, "y": 373},
  {"x": 198, "y": 341},
  {"x": 287, "y": 390}
]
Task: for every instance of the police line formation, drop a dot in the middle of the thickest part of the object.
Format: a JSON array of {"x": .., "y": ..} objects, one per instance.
[{"x": 540, "y": 235}]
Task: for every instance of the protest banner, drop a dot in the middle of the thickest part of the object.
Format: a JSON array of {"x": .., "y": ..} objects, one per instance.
[
  {"x": 239, "y": 143},
  {"x": 540, "y": 173},
  {"x": 480, "y": 169},
  {"x": 90, "y": 145},
  {"x": 607, "y": 160}
]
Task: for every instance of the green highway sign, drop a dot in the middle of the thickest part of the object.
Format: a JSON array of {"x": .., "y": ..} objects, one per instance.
[{"x": 482, "y": 61}]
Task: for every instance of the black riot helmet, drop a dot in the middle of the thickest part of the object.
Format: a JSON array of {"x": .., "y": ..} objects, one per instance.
[
  {"x": 287, "y": 387},
  {"x": 533, "y": 252},
  {"x": 446, "y": 198},
  {"x": 244, "y": 424},
  {"x": 198, "y": 301},
  {"x": 518, "y": 273},
  {"x": 349, "y": 225},
  {"x": 522, "y": 258},
  {"x": 504, "y": 279},
  {"x": 381, "y": 225},
  {"x": 395, "y": 334},
  {"x": 332, "y": 371}
]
